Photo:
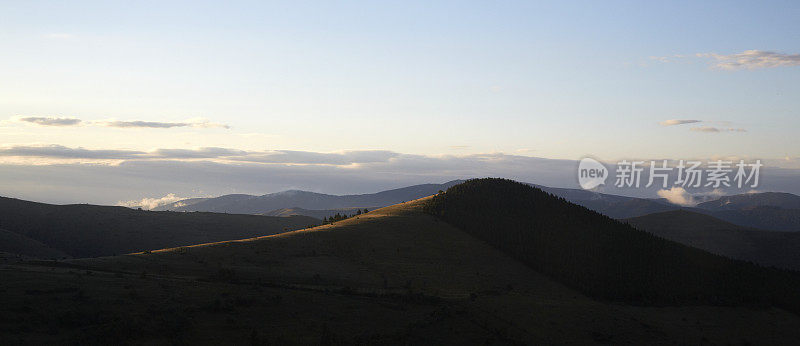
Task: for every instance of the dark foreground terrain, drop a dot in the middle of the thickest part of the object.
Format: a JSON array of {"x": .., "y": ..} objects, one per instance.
[
  {"x": 396, "y": 275},
  {"x": 81, "y": 230}
]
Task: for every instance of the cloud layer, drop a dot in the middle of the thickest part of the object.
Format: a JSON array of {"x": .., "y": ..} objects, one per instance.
[
  {"x": 705, "y": 129},
  {"x": 151, "y": 203},
  {"x": 56, "y": 121},
  {"x": 677, "y": 195},
  {"x": 711, "y": 129},
  {"x": 752, "y": 59},
  {"x": 673, "y": 122},
  {"x": 48, "y": 121},
  {"x": 344, "y": 158},
  {"x": 80, "y": 175},
  {"x": 161, "y": 125}
]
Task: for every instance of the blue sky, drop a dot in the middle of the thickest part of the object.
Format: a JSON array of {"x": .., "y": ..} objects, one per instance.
[{"x": 543, "y": 79}]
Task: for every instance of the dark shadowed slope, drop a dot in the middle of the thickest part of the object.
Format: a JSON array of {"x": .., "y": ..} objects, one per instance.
[
  {"x": 766, "y": 217},
  {"x": 393, "y": 276},
  {"x": 706, "y": 232},
  {"x": 247, "y": 204},
  {"x": 89, "y": 230},
  {"x": 604, "y": 257},
  {"x": 14, "y": 243}
]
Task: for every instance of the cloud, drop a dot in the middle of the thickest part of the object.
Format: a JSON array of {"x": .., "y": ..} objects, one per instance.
[
  {"x": 673, "y": 122},
  {"x": 59, "y": 151},
  {"x": 752, "y": 59},
  {"x": 150, "y": 203},
  {"x": 137, "y": 178},
  {"x": 345, "y": 158},
  {"x": 677, "y": 195},
  {"x": 48, "y": 121},
  {"x": 219, "y": 171},
  {"x": 54, "y": 121},
  {"x": 201, "y": 153},
  {"x": 711, "y": 129},
  {"x": 161, "y": 125},
  {"x": 291, "y": 157}
]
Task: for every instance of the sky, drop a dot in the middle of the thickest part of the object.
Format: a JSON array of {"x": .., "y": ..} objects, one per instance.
[{"x": 391, "y": 92}]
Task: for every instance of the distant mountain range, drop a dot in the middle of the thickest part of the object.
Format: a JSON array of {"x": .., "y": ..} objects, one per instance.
[
  {"x": 768, "y": 210},
  {"x": 618, "y": 207},
  {"x": 752, "y": 201},
  {"x": 304, "y": 200},
  {"x": 772, "y": 211}
]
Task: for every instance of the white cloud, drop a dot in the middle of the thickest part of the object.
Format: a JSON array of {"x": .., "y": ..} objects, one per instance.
[
  {"x": 673, "y": 122},
  {"x": 56, "y": 121},
  {"x": 161, "y": 125},
  {"x": 752, "y": 59},
  {"x": 677, "y": 195},
  {"x": 711, "y": 129},
  {"x": 60, "y": 151},
  {"x": 61, "y": 154},
  {"x": 51, "y": 121},
  {"x": 151, "y": 203}
]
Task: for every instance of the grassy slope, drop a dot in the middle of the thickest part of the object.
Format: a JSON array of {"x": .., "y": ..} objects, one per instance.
[{"x": 345, "y": 282}]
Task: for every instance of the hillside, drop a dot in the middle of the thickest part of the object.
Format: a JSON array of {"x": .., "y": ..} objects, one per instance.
[
  {"x": 13, "y": 243},
  {"x": 248, "y": 204},
  {"x": 765, "y": 217},
  {"x": 89, "y": 230},
  {"x": 317, "y": 214},
  {"x": 602, "y": 257},
  {"x": 392, "y": 276},
  {"x": 705, "y": 232}
]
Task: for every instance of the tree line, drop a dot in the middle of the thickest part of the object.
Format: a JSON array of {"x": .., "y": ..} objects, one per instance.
[{"x": 340, "y": 217}]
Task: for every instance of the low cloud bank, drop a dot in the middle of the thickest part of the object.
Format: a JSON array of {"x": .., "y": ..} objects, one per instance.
[{"x": 151, "y": 203}]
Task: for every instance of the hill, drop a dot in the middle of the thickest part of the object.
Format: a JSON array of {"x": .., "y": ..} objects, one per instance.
[
  {"x": 90, "y": 230},
  {"x": 602, "y": 257},
  {"x": 705, "y": 232},
  {"x": 392, "y": 276},
  {"x": 248, "y": 204}
]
